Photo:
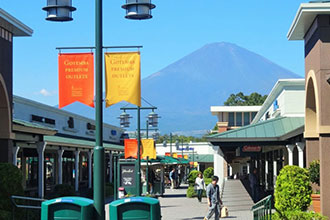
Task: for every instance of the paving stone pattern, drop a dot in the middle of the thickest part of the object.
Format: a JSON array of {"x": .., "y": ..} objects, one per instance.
[{"x": 176, "y": 206}]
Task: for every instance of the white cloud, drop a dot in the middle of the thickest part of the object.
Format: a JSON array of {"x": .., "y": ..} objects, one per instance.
[{"x": 45, "y": 92}]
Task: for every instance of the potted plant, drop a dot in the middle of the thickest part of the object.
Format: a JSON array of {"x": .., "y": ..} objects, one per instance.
[{"x": 314, "y": 173}]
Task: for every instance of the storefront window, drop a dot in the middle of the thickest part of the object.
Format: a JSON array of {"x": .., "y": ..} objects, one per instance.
[
  {"x": 238, "y": 118},
  {"x": 246, "y": 118},
  {"x": 231, "y": 119}
]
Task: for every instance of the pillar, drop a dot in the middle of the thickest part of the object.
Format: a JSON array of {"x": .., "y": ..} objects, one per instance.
[
  {"x": 312, "y": 150},
  {"x": 60, "y": 165},
  {"x": 290, "y": 148},
  {"x": 230, "y": 170},
  {"x": 325, "y": 174},
  {"x": 266, "y": 172},
  {"x": 23, "y": 161},
  {"x": 301, "y": 147},
  {"x": 76, "y": 169},
  {"x": 90, "y": 154},
  {"x": 248, "y": 168},
  {"x": 110, "y": 166},
  {"x": 275, "y": 171},
  {"x": 41, "y": 146},
  {"x": 15, "y": 152}
]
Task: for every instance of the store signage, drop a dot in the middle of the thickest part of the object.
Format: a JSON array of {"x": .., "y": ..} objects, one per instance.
[
  {"x": 127, "y": 175},
  {"x": 251, "y": 148}
]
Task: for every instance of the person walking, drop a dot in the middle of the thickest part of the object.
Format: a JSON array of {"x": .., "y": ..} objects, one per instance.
[
  {"x": 200, "y": 186},
  {"x": 172, "y": 178},
  {"x": 213, "y": 199},
  {"x": 254, "y": 185}
]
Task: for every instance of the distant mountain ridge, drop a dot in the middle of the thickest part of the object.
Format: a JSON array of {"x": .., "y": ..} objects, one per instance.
[{"x": 184, "y": 90}]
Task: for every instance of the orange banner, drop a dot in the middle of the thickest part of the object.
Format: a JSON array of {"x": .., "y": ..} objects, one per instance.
[
  {"x": 131, "y": 147},
  {"x": 168, "y": 154},
  {"x": 180, "y": 156},
  {"x": 76, "y": 78}
]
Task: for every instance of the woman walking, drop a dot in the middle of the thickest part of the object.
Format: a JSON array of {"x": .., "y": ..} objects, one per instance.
[{"x": 200, "y": 186}]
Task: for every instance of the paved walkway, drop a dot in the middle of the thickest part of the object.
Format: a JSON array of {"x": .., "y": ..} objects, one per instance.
[
  {"x": 176, "y": 206},
  {"x": 238, "y": 201}
]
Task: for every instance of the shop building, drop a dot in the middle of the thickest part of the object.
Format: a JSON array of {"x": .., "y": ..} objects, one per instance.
[
  {"x": 272, "y": 140},
  {"x": 57, "y": 147}
]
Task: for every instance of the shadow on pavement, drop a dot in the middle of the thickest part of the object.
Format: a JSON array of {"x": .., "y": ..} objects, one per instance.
[
  {"x": 174, "y": 195},
  {"x": 193, "y": 218}
]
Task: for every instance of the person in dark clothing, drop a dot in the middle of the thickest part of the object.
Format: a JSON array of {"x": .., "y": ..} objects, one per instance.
[
  {"x": 213, "y": 199},
  {"x": 254, "y": 185}
]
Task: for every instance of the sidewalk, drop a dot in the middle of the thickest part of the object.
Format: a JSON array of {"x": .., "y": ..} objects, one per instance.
[{"x": 176, "y": 206}]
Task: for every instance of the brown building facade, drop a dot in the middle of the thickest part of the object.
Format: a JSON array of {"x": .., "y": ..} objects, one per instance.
[{"x": 312, "y": 24}]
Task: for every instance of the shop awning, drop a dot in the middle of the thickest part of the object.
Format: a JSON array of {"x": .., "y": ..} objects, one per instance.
[
  {"x": 30, "y": 127},
  {"x": 273, "y": 130},
  {"x": 201, "y": 158},
  {"x": 73, "y": 142}
]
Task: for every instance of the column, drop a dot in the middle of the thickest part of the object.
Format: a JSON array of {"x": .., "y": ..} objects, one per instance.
[
  {"x": 230, "y": 170},
  {"x": 41, "y": 146},
  {"x": 301, "y": 147},
  {"x": 266, "y": 172},
  {"x": 15, "y": 151},
  {"x": 256, "y": 163},
  {"x": 248, "y": 168},
  {"x": 23, "y": 161},
  {"x": 90, "y": 154},
  {"x": 275, "y": 171},
  {"x": 110, "y": 167},
  {"x": 76, "y": 169},
  {"x": 60, "y": 165},
  {"x": 290, "y": 148}
]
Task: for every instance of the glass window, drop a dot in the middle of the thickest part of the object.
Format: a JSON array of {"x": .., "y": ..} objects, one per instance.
[
  {"x": 231, "y": 119},
  {"x": 238, "y": 118},
  {"x": 246, "y": 118}
]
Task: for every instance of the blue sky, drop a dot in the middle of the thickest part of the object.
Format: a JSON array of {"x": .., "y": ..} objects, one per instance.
[{"x": 178, "y": 28}]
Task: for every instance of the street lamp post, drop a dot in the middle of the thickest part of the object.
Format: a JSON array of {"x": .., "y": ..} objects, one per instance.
[
  {"x": 138, "y": 182},
  {"x": 60, "y": 10}
]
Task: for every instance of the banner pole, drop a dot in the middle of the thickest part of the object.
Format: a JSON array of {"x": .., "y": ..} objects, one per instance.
[
  {"x": 138, "y": 182},
  {"x": 98, "y": 176}
]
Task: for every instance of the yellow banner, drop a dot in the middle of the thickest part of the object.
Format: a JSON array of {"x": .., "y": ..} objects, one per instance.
[
  {"x": 149, "y": 150},
  {"x": 175, "y": 155},
  {"x": 123, "y": 80},
  {"x": 186, "y": 157}
]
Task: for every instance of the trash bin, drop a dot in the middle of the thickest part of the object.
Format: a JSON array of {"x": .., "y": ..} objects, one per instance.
[
  {"x": 139, "y": 208},
  {"x": 67, "y": 208}
]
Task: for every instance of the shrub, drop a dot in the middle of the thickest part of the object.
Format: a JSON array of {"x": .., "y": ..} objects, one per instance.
[
  {"x": 10, "y": 184},
  {"x": 207, "y": 181},
  {"x": 192, "y": 177},
  {"x": 61, "y": 190},
  {"x": 208, "y": 173},
  {"x": 191, "y": 192},
  {"x": 293, "y": 190},
  {"x": 298, "y": 215},
  {"x": 314, "y": 172}
]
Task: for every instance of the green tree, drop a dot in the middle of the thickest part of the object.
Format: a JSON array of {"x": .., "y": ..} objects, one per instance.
[{"x": 240, "y": 99}]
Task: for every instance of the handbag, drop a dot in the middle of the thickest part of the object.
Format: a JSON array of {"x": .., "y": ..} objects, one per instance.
[{"x": 224, "y": 212}]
